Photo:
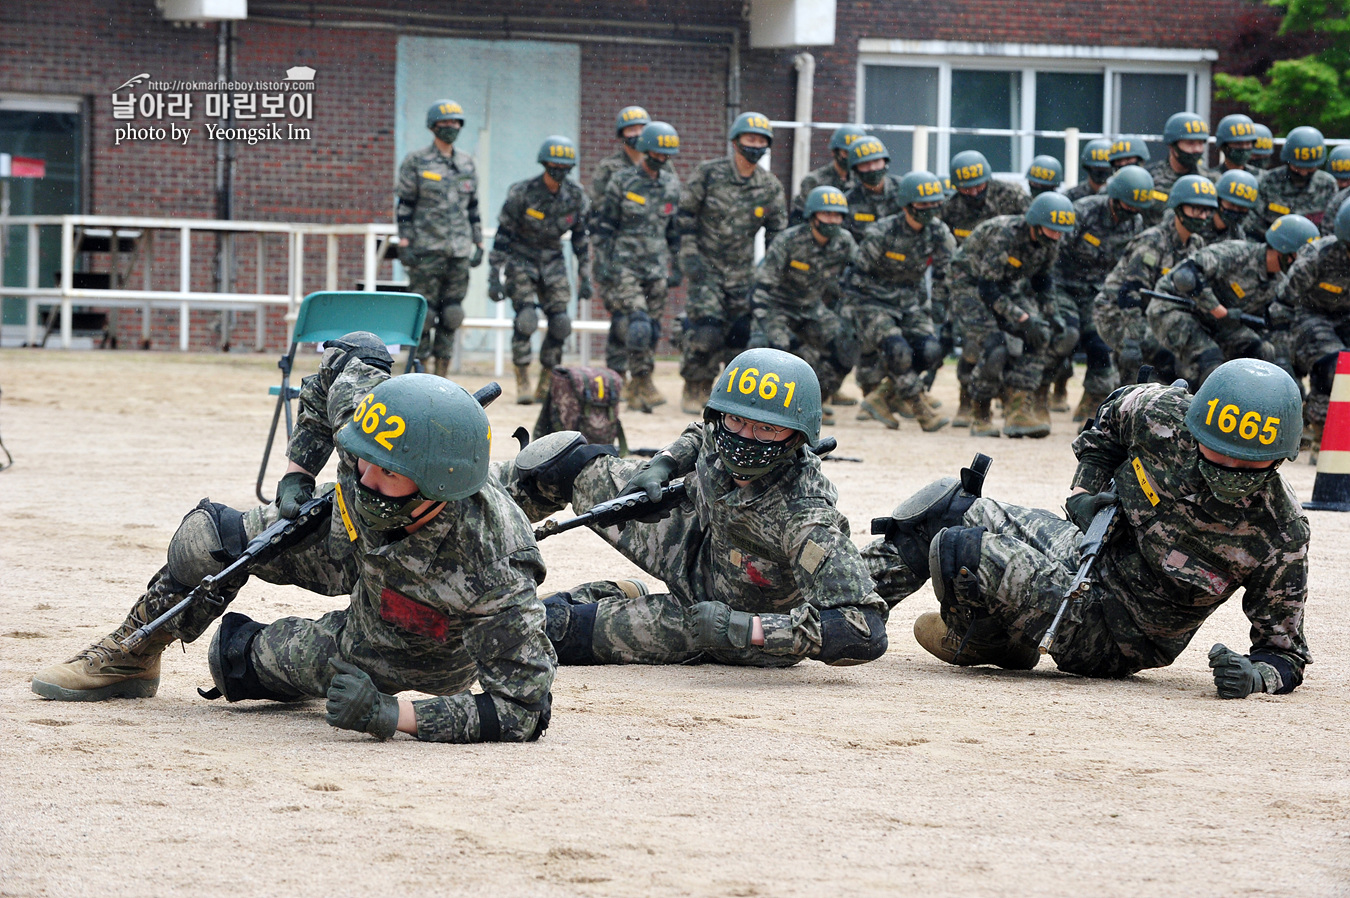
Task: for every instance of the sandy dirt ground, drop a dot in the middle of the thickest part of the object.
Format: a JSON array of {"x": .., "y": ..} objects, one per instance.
[{"x": 904, "y": 776}]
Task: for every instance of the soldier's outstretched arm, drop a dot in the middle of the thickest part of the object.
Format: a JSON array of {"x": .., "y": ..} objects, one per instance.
[
  {"x": 1273, "y": 601},
  {"x": 351, "y": 367}
]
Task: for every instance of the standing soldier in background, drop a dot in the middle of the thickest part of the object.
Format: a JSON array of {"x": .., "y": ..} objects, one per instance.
[
  {"x": 1106, "y": 223},
  {"x": 528, "y": 250},
  {"x": 1263, "y": 150},
  {"x": 884, "y": 298},
  {"x": 797, "y": 287},
  {"x": 1338, "y": 164},
  {"x": 1045, "y": 173},
  {"x": 1236, "y": 218},
  {"x": 722, "y": 208},
  {"x": 1116, "y": 310},
  {"x": 637, "y": 240},
  {"x": 1319, "y": 289},
  {"x": 1236, "y": 139},
  {"x": 628, "y": 126},
  {"x": 1301, "y": 187},
  {"x": 439, "y": 233},
  {"x": 978, "y": 198},
  {"x": 1127, "y": 150},
  {"x": 836, "y": 174},
  {"x": 1095, "y": 162},
  {"x": 1187, "y": 137},
  {"x": 1003, "y": 294},
  {"x": 875, "y": 191}
]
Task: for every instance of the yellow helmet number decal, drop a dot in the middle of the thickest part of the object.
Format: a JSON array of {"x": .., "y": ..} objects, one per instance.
[
  {"x": 1249, "y": 425},
  {"x": 371, "y": 416},
  {"x": 750, "y": 382}
]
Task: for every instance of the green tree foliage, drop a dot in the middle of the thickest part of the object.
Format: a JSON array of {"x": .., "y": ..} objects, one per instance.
[{"x": 1313, "y": 90}]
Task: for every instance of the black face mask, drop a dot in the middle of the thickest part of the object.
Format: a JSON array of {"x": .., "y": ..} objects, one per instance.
[
  {"x": 1038, "y": 189},
  {"x": 829, "y": 231},
  {"x": 1201, "y": 226},
  {"x": 1287, "y": 261},
  {"x": 751, "y": 154},
  {"x": 841, "y": 159},
  {"x": 1300, "y": 178},
  {"x": 1237, "y": 156},
  {"x": 1189, "y": 160},
  {"x": 632, "y": 141},
  {"x": 749, "y": 459},
  {"x": 384, "y": 513},
  {"x": 1234, "y": 484},
  {"x": 923, "y": 216},
  {"x": 1232, "y": 216},
  {"x": 872, "y": 178},
  {"x": 446, "y": 133},
  {"x": 976, "y": 200},
  {"x": 655, "y": 163},
  {"x": 558, "y": 173},
  {"x": 1099, "y": 176}
]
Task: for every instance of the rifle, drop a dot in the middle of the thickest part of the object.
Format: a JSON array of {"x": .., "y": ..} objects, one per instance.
[
  {"x": 272, "y": 542},
  {"x": 632, "y": 506},
  {"x": 652, "y": 452},
  {"x": 1090, "y": 546},
  {"x": 1252, "y": 321}
]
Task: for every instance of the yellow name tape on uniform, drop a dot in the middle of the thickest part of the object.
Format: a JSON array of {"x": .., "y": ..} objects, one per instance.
[
  {"x": 864, "y": 216},
  {"x": 800, "y": 266},
  {"x": 535, "y": 213},
  {"x": 637, "y": 198},
  {"x": 759, "y": 212},
  {"x": 342, "y": 510},
  {"x": 1237, "y": 290},
  {"x": 431, "y": 176},
  {"x": 1144, "y": 482},
  {"x": 1331, "y": 288},
  {"x": 1014, "y": 262},
  {"x": 1092, "y": 238},
  {"x": 1159, "y": 196},
  {"x": 960, "y": 232},
  {"x": 1276, "y": 207},
  {"x": 899, "y": 257}
]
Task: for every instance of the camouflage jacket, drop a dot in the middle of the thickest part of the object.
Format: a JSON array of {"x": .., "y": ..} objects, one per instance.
[
  {"x": 798, "y": 273},
  {"x": 1319, "y": 280},
  {"x": 1280, "y": 195},
  {"x": 866, "y": 208},
  {"x": 892, "y": 259},
  {"x": 720, "y": 213},
  {"x": 1002, "y": 250},
  {"x": 1081, "y": 192},
  {"x": 1183, "y": 551},
  {"x": 1152, "y": 254},
  {"x": 1163, "y": 179},
  {"x": 438, "y": 203},
  {"x": 636, "y": 225},
  {"x": 825, "y": 176},
  {"x": 1002, "y": 198},
  {"x": 604, "y": 171},
  {"x": 1214, "y": 174},
  {"x": 1235, "y": 277},
  {"x": 533, "y": 220},
  {"x": 457, "y": 595},
  {"x": 1328, "y": 226},
  {"x": 1097, "y": 243}
]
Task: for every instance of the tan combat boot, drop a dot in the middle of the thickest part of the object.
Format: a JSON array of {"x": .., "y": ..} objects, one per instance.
[
  {"x": 981, "y": 421},
  {"x": 1019, "y": 416},
  {"x": 944, "y": 643},
  {"x": 631, "y": 396},
  {"x": 928, "y": 419},
  {"x": 545, "y": 384},
  {"x": 876, "y": 406},
  {"x": 524, "y": 392},
  {"x": 1059, "y": 399},
  {"x": 1040, "y": 403},
  {"x": 1087, "y": 406},
  {"x": 695, "y": 396},
  {"x": 964, "y": 410},
  {"x": 441, "y": 367},
  {"x": 105, "y": 670},
  {"x": 842, "y": 398},
  {"x": 651, "y": 395},
  {"x": 930, "y": 400}
]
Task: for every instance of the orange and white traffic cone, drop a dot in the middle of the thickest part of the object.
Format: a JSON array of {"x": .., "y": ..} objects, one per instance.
[{"x": 1331, "y": 489}]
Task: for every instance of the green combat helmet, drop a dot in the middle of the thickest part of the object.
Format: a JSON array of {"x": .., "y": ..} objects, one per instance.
[
  {"x": 426, "y": 428},
  {"x": 558, "y": 150},
  {"x": 1265, "y": 143},
  {"x": 630, "y": 115},
  {"x": 1185, "y": 126},
  {"x": 1238, "y": 187},
  {"x": 1126, "y": 147},
  {"x": 1338, "y": 163},
  {"x": 845, "y": 136},
  {"x": 1290, "y": 233},
  {"x": 751, "y": 123},
  {"x": 445, "y": 111},
  {"x": 920, "y": 187},
  {"x": 1304, "y": 147},
  {"x": 1248, "y": 409},
  {"x": 1235, "y": 128},
  {"x": 1132, "y": 186},
  {"x": 1342, "y": 227},
  {"x": 1096, "y": 159},
  {"x": 825, "y": 199},
  {"x": 865, "y": 150},
  {"x": 1045, "y": 173},
  {"x": 1053, "y": 211},
  {"x": 659, "y": 137},
  {"x": 772, "y": 387},
  {"x": 1193, "y": 190},
  {"x": 970, "y": 169}
]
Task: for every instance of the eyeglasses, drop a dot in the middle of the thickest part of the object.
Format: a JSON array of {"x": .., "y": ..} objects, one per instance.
[{"x": 764, "y": 433}]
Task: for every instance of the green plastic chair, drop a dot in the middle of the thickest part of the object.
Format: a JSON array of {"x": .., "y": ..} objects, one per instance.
[{"x": 396, "y": 318}]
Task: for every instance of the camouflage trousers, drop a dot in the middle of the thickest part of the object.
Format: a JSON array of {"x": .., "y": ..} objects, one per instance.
[
  {"x": 1202, "y": 345},
  {"x": 816, "y": 334},
  {"x": 891, "y": 339},
  {"x": 443, "y": 281},
  {"x": 1127, "y": 333},
  {"x": 1314, "y": 337},
  {"x": 716, "y": 327},
  {"x": 536, "y": 289},
  {"x": 635, "y": 310},
  {"x": 1001, "y": 360}
]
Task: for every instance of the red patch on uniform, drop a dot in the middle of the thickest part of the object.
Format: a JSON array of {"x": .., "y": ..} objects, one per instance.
[
  {"x": 668, "y": 209},
  {"x": 755, "y": 576},
  {"x": 415, "y": 617},
  {"x": 466, "y": 186},
  {"x": 568, "y": 219}
]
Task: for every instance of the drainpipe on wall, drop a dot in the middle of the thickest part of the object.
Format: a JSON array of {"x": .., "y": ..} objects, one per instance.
[{"x": 805, "y": 64}]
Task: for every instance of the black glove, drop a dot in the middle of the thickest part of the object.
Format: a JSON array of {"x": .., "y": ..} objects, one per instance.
[
  {"x": 676, "y": 274},
  {"x": 584, "y": 288},
  {"x": 1083, "y": 507},
  {"x": 355, "y": 704},
  {"x": 1066, "y": 335},
  {"x": 477, "y": 258},
  {"x": 1128, "y": 296},
  {"x": 294, "y": 490},
  {"x": 496, "y": 292},
  {"x": 1234, "y": 675},
  {"x": 1035, "y": 332}
]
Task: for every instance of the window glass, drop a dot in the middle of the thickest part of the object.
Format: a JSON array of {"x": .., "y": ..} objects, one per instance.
[
  {"x": 985, "y": 99},
  {"x": 1067, "y": 100},
  {"x": 902, "y": 95},
  {"x": 1144, "y": 103}
]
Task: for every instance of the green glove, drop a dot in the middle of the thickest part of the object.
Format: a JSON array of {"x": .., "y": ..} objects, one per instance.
[
  {"x": 294, "y": 490},
  {"x": 355, "y": 704},
  {"x": 477, "y": 258},
  {"x": 716, "y": 626},
  {"x": 496, "y": 292},
  {"x": 584, "y": 288},
  {"x": 653, "y": 475},
  {"x": 1083, "y": 507},
  {"x": 1234, "y": 675}
]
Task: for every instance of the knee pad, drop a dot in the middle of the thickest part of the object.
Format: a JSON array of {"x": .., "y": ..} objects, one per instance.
[
  {"x": 1322, "y": 374},
  {"x": 559, "y": 327},
  {"x": 547, "y": 467},
  {"x": 841, "y": 644},
  {"x": 452, "y": 316},
  {"x": 527, "y": 321},
  {"x": 703, "y": 334},
  {"x": 995, "y": 353},
  {"x": 928, "y": 354},
  {"x": 915, "y": 521},
  {"x": 618, "y": 328},
  {"x": 209, "y": 538},
  {"x": 738, "y": 336},
  {"x": 954, "y": 558},
  {"x": 844, "y": 353},
  {"x": 1097, "y": 352},
  {"x": 896, "y": 355},
  {"x": 640, "y": 332},
  {"x": 232, "y": 665},
  {"x": 570, "y": 628}
]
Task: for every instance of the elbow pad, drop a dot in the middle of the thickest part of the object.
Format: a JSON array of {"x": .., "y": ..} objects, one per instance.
[
  {"x": 405, "y": 209},
  {"x": 841, "y": 644}
]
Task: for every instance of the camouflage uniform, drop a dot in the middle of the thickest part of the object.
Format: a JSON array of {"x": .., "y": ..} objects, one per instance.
[
  {"x": 866, "y": 208},
  {"x": 1082, "y": 191},
  {"x": 1002, "y": 251},
  {"x": 1319, "y": 290},
  {"x": 1328, "y": 226},
  {"x": 884, "y": 295},
  {"x": 1002, "y": 198},
  {"x": 1281, "y": 195},
  {"x": 636, "y": 233},
  {"x": 720, "y": 213},
  {"x": 1156, "y": 251},
  {"x": 1163, "y": 178},
  {"x": 1171, "y": 562},
  {"x": 438, "y": 228},
  {"x": 528, "y": 247},
  {"x": 825, "y": 176},
  {"x": 777, "y": 547},
  {"x": 1086, "y": 257},
  {"x": 616, "y": 350},
  {"x": 1235, "y": 277},
  {"x": 797, "y": 289}
]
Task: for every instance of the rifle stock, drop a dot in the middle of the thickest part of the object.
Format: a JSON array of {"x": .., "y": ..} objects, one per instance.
[
  {"x": 1091, "y": 545},
  {"x": 1253, "y": 321}
]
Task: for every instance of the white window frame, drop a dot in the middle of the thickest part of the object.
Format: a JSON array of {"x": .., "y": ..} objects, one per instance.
[{"x": 1196, "y": 64}]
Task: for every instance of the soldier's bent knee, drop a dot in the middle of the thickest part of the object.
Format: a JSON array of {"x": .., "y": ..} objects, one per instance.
[
  {"x": 571, "y": 629},
  {"x": 842, "y": 644},
  {"x": 527, "y": 321},
  {"x": 640, "y": 334},
  {"x": 559, "y": 327},
  {"x": 928, "y": 353},
  {"x": 452, "y": 316},
  {"x": 896, "y": 355},
  {"x": 209, "y": 538},
  {"x": 231, "y": 661}
]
